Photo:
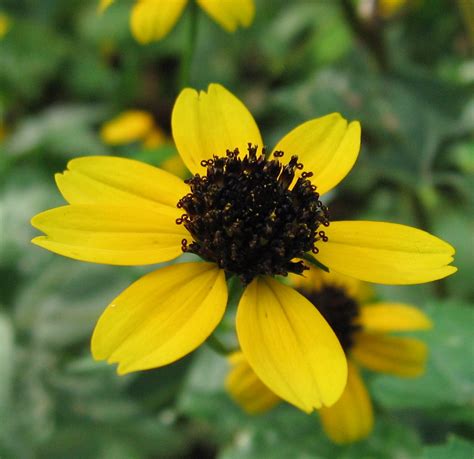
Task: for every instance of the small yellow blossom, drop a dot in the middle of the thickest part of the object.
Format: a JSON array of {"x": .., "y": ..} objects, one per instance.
[
  {"x": 155, "y": 138},
  {"x": 175, "y": 166},
  {"x": 152, "y": 20},
  {"x": 136, "y": 125},
  {"x": 130, "y": 126}
]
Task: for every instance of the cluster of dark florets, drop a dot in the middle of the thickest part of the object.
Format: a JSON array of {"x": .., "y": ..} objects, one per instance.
[
  {"x": 248, "y": 217},
  {"x": 339, "y": 309}
]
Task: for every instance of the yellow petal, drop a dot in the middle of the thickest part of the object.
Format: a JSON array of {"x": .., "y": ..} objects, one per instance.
[
  {"x": 161, "y": 317},
  {"x": 151, "y": 20},
  {"x": 386, "y": 253},
  {"x": 105, "y": 179},
  {"x": 116, "y": 235},
  {"x": 289, "y": 345},
  {"x": 246, "y": 389},
  {"x": 210, "y": 123},
  {"x": 351, "y": 418},
  {"x": 104, "y": 4},
  {"x": 314, "y": 279},
  {"x": 327, "y": 146},
  {"x": 156, "y": 138},
  {"x": 229, "y": 14},
  {"x": 128, "y": 127},
  {"x": 392, "y": 317},
  {"x": 399, "y": 356},
  {"x": 175, "y": 166}
]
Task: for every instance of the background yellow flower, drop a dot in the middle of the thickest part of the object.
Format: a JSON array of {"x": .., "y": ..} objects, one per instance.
[
  {"x": 138, "y": 125},
  {"x": 152, "y": 20},
  {"x": 362, "y": 329}
]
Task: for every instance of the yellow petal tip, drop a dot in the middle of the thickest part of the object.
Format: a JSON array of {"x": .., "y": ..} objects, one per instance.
[{"x": 38, "y": 240}]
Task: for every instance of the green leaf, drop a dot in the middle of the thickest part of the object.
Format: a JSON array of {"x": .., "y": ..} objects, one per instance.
[
  {"x": 59, "y": 305},
  {"x": 30, "y": 48},
  {"x": 456, "y": 225},
  {"x": 63, "y": 130},
  {"x": 309, "y": 258},
  {"x": 26, "y": 191}
]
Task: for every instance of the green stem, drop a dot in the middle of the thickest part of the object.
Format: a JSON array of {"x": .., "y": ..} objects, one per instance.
[
  {"x": 188, "y": 50},
  {"x": 218, "y": 346}
]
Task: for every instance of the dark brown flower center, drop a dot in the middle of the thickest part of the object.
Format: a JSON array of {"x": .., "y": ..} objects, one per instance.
[
  {"x": 245, "y": 216},
  {"x": 339, "y": 309}
]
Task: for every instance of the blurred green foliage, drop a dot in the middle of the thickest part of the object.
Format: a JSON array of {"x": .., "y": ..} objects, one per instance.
[{"x": 64, "y": 70}]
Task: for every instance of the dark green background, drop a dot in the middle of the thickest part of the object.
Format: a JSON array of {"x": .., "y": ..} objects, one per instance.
[{"x": 409, "y": 80}]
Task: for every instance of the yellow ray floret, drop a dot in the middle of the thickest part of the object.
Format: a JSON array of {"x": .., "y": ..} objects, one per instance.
[
  {"x": 152, "y": 20},
  {"x": 385, "y": 253},
  {"x": 129, "y": 126},
  {"x": 193, "y": 115},
  {"x": 399, "y": 356},
  {"x": 89, "y": 180},
  {"x": 327, "y": 146},
  {"x": 351, "y": 417},
  {"x": 229, "y": 14},
  {"x": 161, "y": 317},
  {"x": 392, "y": 317},
  {"x": 290, "y": 346},
  {"x": 246, "y": 388},
  {"x": 111, "y": 234}
]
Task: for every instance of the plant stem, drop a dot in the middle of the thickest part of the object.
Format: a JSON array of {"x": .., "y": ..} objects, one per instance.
[{"x": 188, "y": 50}]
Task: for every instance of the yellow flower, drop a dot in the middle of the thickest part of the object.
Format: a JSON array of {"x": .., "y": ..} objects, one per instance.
[
  {"x": 245, "y": 215},
  {"x": 137, "y": 125},
  {"x": 152, "y": 20},
  {"x": 130, "y": 126},
  {"x": 362, "y": 331},
  {"x": 155, "y": 139}
]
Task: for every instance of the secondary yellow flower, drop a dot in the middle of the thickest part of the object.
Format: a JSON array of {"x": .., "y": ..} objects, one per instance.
[
  {"x": 246, "y": 215},
  {"x": 138, "y": 125},
  {"x": 152, "y": 20},
  {"x": 130, "y": 126},
  {"x": 362, "y": 331}
]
